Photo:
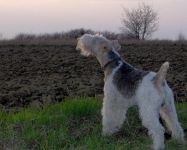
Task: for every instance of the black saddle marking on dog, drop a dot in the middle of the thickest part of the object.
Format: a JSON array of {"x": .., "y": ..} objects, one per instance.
[{"x": 127, "y": 79}]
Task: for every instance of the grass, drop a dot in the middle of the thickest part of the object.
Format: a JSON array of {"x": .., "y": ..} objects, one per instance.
[{"x": 75, "y": 124}]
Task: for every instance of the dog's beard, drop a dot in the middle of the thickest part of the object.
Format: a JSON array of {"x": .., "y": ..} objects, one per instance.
[{"x": 85, "y": 53}]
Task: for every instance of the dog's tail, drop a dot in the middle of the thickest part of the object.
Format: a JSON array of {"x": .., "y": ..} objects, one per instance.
[{"x": 161, "y": 74}]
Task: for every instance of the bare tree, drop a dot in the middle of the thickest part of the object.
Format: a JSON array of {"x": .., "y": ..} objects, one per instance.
[
  {"x": 181, "y": 37},
  {"x": 140, "y": 22}
]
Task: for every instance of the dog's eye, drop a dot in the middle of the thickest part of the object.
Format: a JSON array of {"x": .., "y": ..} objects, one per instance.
[{"x": 104, "y": 47}]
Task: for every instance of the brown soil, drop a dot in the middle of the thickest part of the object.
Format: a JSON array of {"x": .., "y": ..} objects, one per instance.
[{"x": 47, "y": 73}]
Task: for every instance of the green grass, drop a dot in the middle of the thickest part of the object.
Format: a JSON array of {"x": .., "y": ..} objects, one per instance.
[{"x": 75, "y": 124}]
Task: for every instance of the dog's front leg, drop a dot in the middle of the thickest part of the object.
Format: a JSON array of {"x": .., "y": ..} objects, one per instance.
[{"x": 113, "y": 114}]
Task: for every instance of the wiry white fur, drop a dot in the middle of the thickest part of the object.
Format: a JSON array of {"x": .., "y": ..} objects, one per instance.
[
  {"x": 149, "y": 101},
  {"x": 152, "y": 98}
]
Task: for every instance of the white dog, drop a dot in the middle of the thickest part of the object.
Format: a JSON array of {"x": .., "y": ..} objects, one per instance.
[{"x": 126, "y": 86}]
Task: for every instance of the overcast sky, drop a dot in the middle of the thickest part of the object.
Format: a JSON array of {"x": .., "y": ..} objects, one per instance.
[{"x": 48, "y": 16}]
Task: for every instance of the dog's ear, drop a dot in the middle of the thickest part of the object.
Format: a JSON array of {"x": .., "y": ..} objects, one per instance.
[{"x": 116, "y": 45}]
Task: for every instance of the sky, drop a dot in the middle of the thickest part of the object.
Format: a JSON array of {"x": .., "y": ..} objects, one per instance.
[{"x": 49, "y": 16}]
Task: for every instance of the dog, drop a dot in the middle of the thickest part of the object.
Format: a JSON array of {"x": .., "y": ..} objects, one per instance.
[{"x": 125, "y": 86}]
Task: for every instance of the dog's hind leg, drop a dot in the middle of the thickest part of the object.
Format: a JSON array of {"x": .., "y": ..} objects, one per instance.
[
  {"x": 149, "y": 103},
  {"x": 113, "y": 113},
  {"x": 150, "y": 119},
  {"x": 169, "y": 115},
  {"x": 168, "y": 111}
]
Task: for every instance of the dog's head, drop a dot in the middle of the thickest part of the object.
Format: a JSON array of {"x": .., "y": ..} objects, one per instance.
[{"x": 96, "y": 45}]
